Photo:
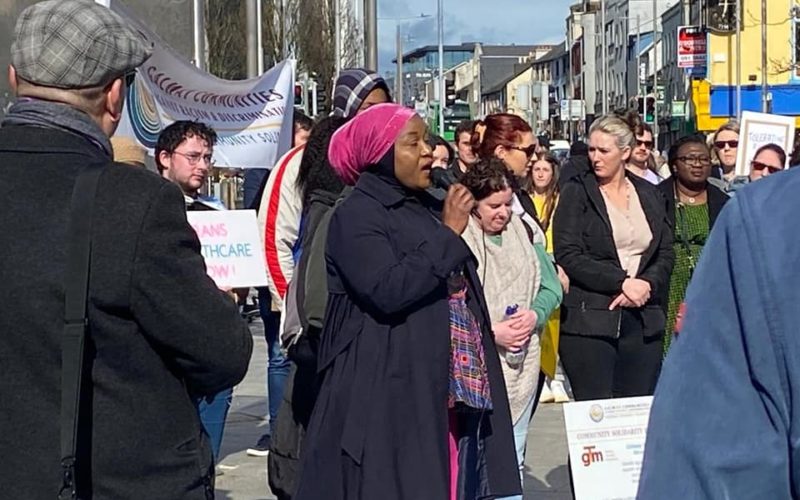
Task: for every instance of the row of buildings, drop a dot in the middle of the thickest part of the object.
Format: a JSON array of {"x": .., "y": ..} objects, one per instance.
[{"x": 622, "y": 54}]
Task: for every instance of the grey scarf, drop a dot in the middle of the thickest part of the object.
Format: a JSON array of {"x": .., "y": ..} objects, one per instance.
[{"x": 57, "y": 116}]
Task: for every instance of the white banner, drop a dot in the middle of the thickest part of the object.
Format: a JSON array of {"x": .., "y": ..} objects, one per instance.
[
  {"x": 253, "y": 118},
  {"x": 606, "y": 446}
]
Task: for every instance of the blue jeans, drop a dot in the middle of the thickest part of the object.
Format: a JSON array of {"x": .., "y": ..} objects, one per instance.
[
  {"x": 213, "y": 412},
  {"x": 278, "y": 365},
  {"x": 520, "y": 440}
]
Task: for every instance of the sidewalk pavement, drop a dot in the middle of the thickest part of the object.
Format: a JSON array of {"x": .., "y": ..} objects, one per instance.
[{"x": 245, "y": 478}]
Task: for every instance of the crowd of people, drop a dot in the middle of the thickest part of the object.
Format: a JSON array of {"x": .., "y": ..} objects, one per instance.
[{"x": 414, "y": 318}]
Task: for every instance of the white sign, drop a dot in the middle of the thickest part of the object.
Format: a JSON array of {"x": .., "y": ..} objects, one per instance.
[
  {"x": 692, "y": 47},
  {"x": 760, "y": 129},
  {"x": 606, "y": 446},
  {"x": 231, "y": 247},
  {"x": 253, "y": 118},
  {"x": 572, "y": 109}
]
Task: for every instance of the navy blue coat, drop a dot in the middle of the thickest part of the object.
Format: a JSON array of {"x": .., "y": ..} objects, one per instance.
[
  {"x": 724, "y": 422},
  {"x": 379, "y": 429}
]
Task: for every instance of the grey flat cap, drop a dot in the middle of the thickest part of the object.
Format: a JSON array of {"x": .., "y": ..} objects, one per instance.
[{"x": 73, "y": 44}]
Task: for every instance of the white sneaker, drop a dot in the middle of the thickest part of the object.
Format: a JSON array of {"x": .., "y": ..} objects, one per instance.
[
  {"x": 547, "y": 395},
  {"x": 559, "y": 393}
]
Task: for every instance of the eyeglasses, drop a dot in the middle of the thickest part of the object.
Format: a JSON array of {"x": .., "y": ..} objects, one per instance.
[
  {"x": 529, "y": 151},
  {"x": 194, "y": 158},
  {"x": 647, "y": 144},
  {"x": 731, "y": 144},
  {"x": 757, "y": 165},
  {"x": 695, "y": 160}
]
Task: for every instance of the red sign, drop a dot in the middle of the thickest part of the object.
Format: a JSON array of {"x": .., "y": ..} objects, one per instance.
[{"x": 692, "y": 47}]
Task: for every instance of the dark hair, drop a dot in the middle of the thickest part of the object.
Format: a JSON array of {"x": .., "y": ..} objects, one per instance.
[
  {"x": 502, "y": 129},
  {"x": 434, "y": 141},
  {"x": 465, "y": 127},
  {"x": 672, "y": 154},
  {"x": 173, "y": 136},
  {"x": 486, "y": 177},
  {"x": 551, "y": 196},
  {"x": 315, "y": 169},
  {"x": 302, "y": 121},
  {"x": 775, "y": 149}
]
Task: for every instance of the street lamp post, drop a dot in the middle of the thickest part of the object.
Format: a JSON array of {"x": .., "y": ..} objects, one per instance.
[
  {"x": 399, "y": 78},
  {"x": 764, "y": 83},
  {"x": 655, "y": 73},
  {"x": 371, "y": 33},
  {"x": 604, "y": 57},
  {"x": 442, "y": 97}
]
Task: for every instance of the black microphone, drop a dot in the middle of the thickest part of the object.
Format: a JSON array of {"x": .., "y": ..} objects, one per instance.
[{"x": 442, "y": 178}]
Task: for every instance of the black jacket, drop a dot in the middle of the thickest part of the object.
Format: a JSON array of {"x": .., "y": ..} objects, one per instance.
[
  {"x": 576, "y": 166},
  {"x": 585, "y": 248},
  {"x": 379, "y": 428},
  {"x": 161, "y": 333},
  {"x": 716, "y": 200}
]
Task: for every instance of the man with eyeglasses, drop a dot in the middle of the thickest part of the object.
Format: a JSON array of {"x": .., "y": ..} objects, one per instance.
[
  {"x": 641, "y": 161},
  {"x": 184, "y": 155}
]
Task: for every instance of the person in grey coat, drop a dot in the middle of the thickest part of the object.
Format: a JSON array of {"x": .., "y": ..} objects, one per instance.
[{"x": 160, "y": 332}]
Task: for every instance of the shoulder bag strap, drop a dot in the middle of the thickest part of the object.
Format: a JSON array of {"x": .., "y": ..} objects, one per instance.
[{"x": 76, "y": 287}]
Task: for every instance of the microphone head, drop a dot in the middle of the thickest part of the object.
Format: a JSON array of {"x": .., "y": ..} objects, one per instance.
[{"x": 441, "y": 178}]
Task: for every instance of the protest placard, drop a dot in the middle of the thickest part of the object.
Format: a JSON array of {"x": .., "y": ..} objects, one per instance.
[
  {"x": 606, "y": 446},
  {"x": 231, "y": 247},
  {"x": 759, "y": 129}
]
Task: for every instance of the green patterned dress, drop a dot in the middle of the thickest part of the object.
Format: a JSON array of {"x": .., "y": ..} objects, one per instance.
[{"x": 691, "y": 232}]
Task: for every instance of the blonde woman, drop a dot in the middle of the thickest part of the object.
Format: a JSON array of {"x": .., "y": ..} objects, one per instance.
[
  {"x": 725, "y": 147},
  {"x": 613, "y": 240}
]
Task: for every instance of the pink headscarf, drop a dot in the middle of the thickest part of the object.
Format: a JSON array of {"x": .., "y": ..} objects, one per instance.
[{"x": 365, "y": 139}]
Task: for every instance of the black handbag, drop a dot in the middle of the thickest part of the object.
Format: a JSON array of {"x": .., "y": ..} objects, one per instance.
[{"x": 76, "y": 322}]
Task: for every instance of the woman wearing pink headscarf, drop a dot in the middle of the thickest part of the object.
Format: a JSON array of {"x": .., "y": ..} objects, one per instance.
[{"x": 412, "y": 404}]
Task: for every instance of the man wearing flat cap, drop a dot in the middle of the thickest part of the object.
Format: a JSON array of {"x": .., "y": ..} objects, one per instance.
[{"x": 160, "y": 333}]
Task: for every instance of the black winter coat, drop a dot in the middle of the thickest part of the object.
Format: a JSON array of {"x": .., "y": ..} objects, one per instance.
[
  {"x": 380, "y": 426},
  {"x": 161, "y": 333},
  {"x": 585, "y": 248}
]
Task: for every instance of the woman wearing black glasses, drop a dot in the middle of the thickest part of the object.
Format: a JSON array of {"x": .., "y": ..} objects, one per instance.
[
  {"x": 769, "y": 159},
  {"x": 693, "y": 206},
  {"x": 726, "y": 149},
  {"x": 510, "y": 139}
]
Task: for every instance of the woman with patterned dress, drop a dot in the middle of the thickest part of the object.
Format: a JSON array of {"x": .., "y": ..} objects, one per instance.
[{"x": 692, "y": 207}]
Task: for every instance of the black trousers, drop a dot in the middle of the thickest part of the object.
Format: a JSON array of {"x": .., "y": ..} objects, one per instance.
[{"x": 603, "y": 368}]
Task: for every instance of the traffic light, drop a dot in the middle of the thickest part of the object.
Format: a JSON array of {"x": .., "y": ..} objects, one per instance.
[
  {"x": 647, "y": 107},
  {"x": 449, "y": 91},
  {"x": 299, "y": 95}
]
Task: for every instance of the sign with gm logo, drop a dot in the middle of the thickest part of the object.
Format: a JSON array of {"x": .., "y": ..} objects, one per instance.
[{"x": 606, "y": 446}]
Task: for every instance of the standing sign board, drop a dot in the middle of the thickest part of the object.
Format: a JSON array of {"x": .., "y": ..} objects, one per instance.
[
  {"x": 606, "y": 446},
  {"x": 231, "y": 246},
  {"x": 759, "y": 129}
]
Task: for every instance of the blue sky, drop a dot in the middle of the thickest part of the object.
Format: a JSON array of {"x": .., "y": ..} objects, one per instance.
[{"x": 486, "y": 21}]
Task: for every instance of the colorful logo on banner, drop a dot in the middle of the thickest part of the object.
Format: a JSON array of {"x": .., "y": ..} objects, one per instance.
[{"x": 143, "y": 115}]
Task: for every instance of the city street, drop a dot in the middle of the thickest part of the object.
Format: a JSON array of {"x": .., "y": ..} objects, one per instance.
[{"x": 245, "y": 477}]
